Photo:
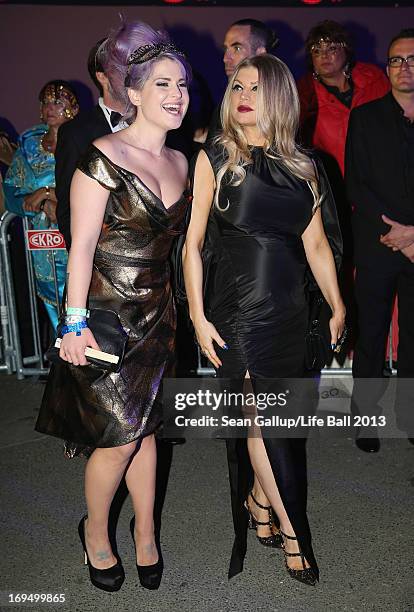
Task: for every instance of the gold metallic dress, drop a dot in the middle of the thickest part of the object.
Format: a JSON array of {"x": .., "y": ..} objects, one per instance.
[{"x": 91, "y": 408}]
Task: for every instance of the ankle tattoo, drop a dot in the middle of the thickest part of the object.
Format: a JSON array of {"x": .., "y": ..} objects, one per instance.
[
  {"x": 149, "y": 548},
  {"x": 103, "y": 555}
]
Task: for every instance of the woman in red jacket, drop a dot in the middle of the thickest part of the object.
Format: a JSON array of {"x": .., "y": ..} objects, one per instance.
[{"x": 336, "y": 85}]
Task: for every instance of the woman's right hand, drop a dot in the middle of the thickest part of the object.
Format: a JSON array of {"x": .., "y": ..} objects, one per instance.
[
  {"x": 206, "y": 333},
  {"x": 72, "y": 347},
  {"x": 31, "y": 202}
]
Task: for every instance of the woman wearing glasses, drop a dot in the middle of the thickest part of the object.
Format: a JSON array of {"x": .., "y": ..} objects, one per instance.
[{"x": 334, "y": 84}]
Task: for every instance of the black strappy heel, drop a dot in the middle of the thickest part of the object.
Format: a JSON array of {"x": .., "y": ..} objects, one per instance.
[
  {"x": 275, "y": 540},
  {"x": 305, "y": 575}
]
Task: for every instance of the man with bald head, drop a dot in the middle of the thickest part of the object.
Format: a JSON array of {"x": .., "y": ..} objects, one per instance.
[{"x": 244, "y": 38}]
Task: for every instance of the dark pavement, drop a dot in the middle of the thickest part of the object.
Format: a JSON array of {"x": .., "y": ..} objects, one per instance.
[{"x": 360, "y": 511}]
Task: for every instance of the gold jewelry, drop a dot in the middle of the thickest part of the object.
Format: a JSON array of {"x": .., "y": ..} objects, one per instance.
[{"x": 54, "y": 93}]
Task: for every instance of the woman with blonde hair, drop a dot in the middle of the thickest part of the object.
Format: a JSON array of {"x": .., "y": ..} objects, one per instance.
[{"x": 257, "y": 201}]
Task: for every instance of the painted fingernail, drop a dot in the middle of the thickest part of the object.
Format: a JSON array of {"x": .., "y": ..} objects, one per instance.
[{"x": 225, "y": 346}]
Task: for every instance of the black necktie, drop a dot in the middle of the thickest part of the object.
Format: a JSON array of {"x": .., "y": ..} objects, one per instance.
[{"x": 115, "y": 118}]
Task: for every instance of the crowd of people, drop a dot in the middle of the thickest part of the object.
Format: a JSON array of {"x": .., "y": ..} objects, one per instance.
[{"x": 286, "y": 181}]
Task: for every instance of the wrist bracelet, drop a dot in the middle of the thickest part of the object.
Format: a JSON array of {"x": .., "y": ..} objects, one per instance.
[
  {"x": 69, "y": 320},
  {"x": 83, "y": 312},
  {"x": 75, "y": 327}
]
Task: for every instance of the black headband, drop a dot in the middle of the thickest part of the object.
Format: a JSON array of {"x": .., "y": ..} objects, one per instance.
[{"x": 147, "y": 53}]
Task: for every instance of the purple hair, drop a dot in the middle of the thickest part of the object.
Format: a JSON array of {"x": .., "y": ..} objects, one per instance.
[{"x": 119, "y": 45}]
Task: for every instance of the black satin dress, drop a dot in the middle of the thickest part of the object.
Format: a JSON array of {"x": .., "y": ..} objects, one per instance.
[
  {"x": 89, "y": 407},
  {"x": 256, "y": 299}
]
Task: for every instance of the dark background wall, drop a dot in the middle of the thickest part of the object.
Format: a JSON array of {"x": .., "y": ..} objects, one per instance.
[{"x": 38, "y": 43}]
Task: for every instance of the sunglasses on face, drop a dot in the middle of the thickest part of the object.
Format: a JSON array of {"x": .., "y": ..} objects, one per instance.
[{"x": 327, "y": 49}]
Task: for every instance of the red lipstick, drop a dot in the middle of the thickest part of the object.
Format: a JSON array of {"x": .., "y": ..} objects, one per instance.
[{"x": 244, "y": 109}]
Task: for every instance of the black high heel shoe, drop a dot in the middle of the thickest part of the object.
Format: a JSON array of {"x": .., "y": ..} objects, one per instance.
[
  {"x": 149, "y": 575},
  {"x": 275, "y": 540},
  {"x": 305, "y": 575},
  {"x": 109, "y": 579}
]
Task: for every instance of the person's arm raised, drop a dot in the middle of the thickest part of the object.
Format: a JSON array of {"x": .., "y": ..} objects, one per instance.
[
  {"x": 88, "y": 202},
  {"x": 204, "y": 186}
]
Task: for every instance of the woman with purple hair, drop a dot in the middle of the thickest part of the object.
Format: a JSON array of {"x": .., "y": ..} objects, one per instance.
[{"x": 127, "y": 205}]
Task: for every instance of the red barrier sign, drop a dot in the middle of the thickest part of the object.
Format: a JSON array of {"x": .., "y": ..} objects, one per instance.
[{"x": 45, "y": 240}]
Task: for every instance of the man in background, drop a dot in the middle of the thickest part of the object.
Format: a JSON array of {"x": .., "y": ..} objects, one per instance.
[
  {"x": 244, "y": 38},
  {"x": 379, "y": 173},
  {"x": 75, "y": 136}
]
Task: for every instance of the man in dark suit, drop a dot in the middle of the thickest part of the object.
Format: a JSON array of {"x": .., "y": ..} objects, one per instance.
[
  {"x": 379, "y": 173},
  {"x": 75, "y": 136}
]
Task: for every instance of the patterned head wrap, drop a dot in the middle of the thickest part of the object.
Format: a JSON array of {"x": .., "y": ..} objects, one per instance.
[{"x": 54, "y": 92}]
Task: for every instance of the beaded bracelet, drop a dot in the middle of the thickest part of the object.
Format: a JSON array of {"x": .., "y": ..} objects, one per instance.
[
  {"x": 74, "y": 319},
  {"x": 75, "y": 327}
]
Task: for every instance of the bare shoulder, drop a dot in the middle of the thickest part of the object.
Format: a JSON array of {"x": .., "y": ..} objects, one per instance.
[
  {"x": 203, "y": 164},
  {"x": 179, "y": 159},
  {"x": 107, "y": 144}
]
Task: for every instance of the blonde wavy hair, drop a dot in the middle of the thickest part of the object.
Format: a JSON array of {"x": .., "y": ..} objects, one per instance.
[{"x": 277, "y": 117}]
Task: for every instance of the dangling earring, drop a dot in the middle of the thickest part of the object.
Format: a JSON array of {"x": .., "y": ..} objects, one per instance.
[
  {"x": 347, "y": 71},
  {"x": 41, "y": 113},
  {"x": 316, "y": 76}
]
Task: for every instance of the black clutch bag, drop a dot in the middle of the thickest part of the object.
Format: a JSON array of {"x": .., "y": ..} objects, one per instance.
[
  {"x": 318, "y": 351},
  {"x": 108, "y": 333}
]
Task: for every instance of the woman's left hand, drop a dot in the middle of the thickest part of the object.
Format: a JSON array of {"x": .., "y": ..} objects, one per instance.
[{"x": 337, "y": 325}]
